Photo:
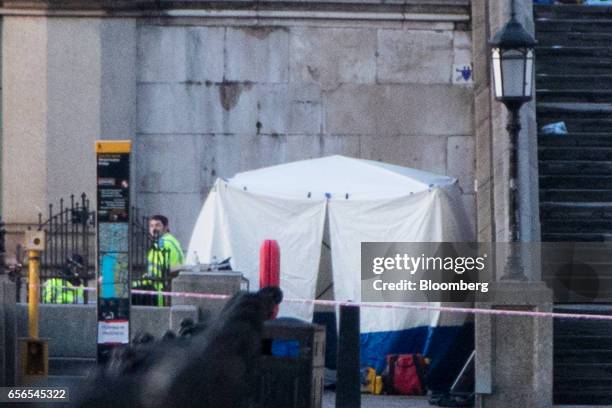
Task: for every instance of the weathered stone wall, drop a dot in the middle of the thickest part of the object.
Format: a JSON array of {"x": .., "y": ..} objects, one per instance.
[
  {"x": 207, "y": 93},
  {"x": 68, "y": 81},
  {"x": 216, "y": 100}
]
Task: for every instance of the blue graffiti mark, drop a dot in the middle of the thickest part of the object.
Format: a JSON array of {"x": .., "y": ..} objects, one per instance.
[{"x": 465, "y": 71}]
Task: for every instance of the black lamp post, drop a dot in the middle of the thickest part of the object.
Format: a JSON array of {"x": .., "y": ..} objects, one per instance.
[{"x": 512, "y": 59}]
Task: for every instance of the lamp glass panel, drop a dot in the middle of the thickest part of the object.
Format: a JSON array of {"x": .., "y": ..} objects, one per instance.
[
  {"x": 497, "y": 76},
  {"x": 529, "y": 73},
  {"x": 513, "y": 73}
]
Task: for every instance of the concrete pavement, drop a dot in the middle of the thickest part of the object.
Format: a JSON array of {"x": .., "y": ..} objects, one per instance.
[{"x": 382, "y": 401}]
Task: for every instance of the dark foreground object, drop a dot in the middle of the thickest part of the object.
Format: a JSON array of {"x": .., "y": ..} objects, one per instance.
[
  {"x": 348, "y": 387},
  {"x": 292, "y": 381},
  {"x": 219, "y": 366}
]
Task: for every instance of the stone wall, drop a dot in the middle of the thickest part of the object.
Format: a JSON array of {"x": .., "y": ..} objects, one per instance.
[
  {"x": 71, "y": 329},
  {"x": 206, "y": 93},
  {"x": 216, "y": 100}
]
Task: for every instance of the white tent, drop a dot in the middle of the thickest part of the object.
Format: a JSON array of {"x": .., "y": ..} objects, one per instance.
[{"x": 364, "y": 200}]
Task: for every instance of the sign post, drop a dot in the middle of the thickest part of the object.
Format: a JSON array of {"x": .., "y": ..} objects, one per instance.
[{"x": 113, "y": 228}]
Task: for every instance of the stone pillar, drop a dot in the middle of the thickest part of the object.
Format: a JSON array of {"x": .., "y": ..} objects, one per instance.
[
  {"x": 491, "y": 135},
  {"x": 513, "y": 354}
]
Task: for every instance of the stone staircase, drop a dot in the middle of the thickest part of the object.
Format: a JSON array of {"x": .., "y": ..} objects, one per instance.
[
  {"x": 574, "y": 85},
  {"x": 582, "y": 362}
]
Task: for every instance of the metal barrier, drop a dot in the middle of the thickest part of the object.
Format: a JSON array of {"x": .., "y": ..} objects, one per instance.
[
  {"x": 69, "y": 232},
  {"x": 68, "y": 260}
]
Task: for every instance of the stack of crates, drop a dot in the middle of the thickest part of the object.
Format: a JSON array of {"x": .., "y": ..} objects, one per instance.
[{"x": 296, "y": 380}]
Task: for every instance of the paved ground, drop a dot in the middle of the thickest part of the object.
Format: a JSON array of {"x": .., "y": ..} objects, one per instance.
[
  {"x": 382, "y": 401},
  {"x": 329, "y": 397}
]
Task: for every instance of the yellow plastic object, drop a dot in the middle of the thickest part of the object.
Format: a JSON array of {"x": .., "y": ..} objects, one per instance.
[
  {"x": 378, "y": 385},
  {"x": 33, "y": 292},
  {"x": 370, "y": 381}
]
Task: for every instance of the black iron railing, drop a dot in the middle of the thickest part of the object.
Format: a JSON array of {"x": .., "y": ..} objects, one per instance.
[
  {"x": 70, "y": 237},
  {"x": 68, "y": 262}
]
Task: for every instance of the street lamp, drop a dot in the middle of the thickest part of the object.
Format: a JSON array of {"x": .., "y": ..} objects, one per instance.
[{"x": 512, "y": 59}]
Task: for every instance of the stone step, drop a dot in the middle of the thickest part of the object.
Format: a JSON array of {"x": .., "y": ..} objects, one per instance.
[
  {"x": 573, "y": 342},
  {"x": 584, "y": 139},
  {"x": 584, "y": 386},
  {"x": 590, "y": 384},
  {"x": 576, "y": 237},
  {"x": 569, "y": 167},
  {"x": 598, "y": 280},
  {"x": 581, "y": 397},
  {"x": 577, "y": 181},
  {"x": 588, "y": 308},
  {"x": 577, "y": 124},
  {"x": 574, "y": 81},
  {"x": 71, "y": 366},
  {"x": 584, "y": 290},
  {"x": 577, "y": 225},
  {"x": 564, "y": 370},
  {"x": 564, "y": 326},
  {"x": 551, "y": 38},
  {"x": 574, "y": 110},
  {"x": 578, "y": 195},
  {"x": 575, "y": 153},
  {"x": 573, "y": 11},
  {"x": 582, "y": 364},
  {"x": 567, "y": 25},
  {"x": 552, "y": 211},
  {"x": 583, "y": 356},
  {"x": 573, "y": 67},
  {"x": 553, "y": 52},
  {"x": 554, "y": 267},
  {"x": 574, "y": 95}
]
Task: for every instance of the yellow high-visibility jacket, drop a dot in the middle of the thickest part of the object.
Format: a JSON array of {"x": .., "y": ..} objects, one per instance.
[
  {"x": 166, "y": 253},
  {"x": 60, "y": 291}
]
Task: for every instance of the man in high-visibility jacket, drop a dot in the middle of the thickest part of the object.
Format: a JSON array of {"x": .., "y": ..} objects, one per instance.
[
  {"x": 68, "y": 287},
  {"x": 58, "y": 290},
  {"x": 164, "y": 255}
]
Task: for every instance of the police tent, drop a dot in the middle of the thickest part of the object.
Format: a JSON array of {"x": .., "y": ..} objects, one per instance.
[{"x": 336, "y": 202}]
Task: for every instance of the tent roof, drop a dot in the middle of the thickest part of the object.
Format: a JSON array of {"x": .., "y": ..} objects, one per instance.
[{"x": 337, "y": 177}]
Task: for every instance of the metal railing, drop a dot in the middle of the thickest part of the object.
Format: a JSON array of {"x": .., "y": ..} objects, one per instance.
[
  {"x": 68, "y": 259},
  {"x": 68, "y": 262}
]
